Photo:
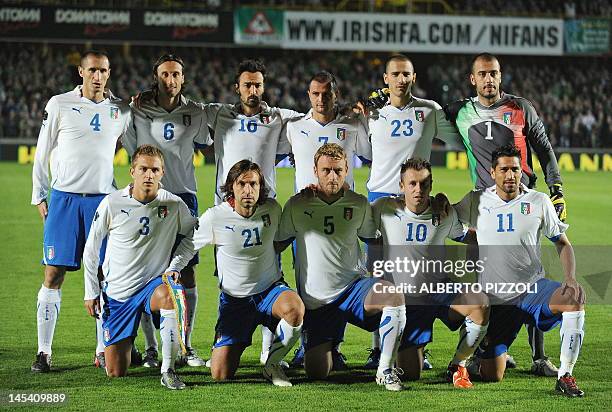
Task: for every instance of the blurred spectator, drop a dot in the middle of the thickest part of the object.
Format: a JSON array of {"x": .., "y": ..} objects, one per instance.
[{"x": 569, "y": 93}]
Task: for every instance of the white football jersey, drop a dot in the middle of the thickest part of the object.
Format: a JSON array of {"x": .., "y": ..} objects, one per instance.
[
  {"x": 79, "y": 137},
  {"x": 399, "y": 134},
  {"x": 175, "y": 133},
  {"x": 140, "y": 241},
  {"x": 509, "y": 233},
  {"x": 306, "y": 136},
  {"x": 399, "y": 226},
  {"x": 246, "y": 260},
  {"x": 258, "y": 138},
  {"x": 408, "y": 235},
  {"x": 328, "y": 256}
]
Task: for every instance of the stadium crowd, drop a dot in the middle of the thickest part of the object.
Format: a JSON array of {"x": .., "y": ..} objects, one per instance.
[{"x": 567, "y": 92}]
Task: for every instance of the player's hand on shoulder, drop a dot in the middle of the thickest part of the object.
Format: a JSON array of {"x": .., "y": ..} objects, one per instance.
[
  {"x": 43, "y": 210},
  {"x": 93, "y": 307},
  {"x": 310, "y": 191},
  {"x": 141, "y": 97},
  {"x": 440, "y": 208}
]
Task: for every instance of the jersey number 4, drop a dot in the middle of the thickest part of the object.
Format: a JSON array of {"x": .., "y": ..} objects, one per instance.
[{"x": 95, "y": 122}]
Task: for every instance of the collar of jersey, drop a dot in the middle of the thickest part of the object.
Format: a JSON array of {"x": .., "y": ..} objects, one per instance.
[
  {"x": 334, "y": 202},
  {"x": 502, "y": 98},
  {"x": 126, "y": 192},
  {"x": 108, "y": 95},
  {"x": 309, "y": 116},
  {"x": 522, "y": 191}
]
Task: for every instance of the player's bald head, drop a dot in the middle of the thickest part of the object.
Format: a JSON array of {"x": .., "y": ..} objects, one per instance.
[
  {"x": 399, "y": 58},
  {"x": 95, "y": 54},
  {"x": 484, "y": 57}
]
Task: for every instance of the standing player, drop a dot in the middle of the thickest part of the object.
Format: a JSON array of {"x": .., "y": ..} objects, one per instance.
[
  {"x": 167, "y": 119},
  {"x": 330, "y": 273},
  {"x": 324, "y": 124},
  {"x": 250, "y": 130},
  {"x": 141, "y": 222},
  {"x": 243, "y": 228},
  {"x": 403, "y": 128},
  {"x": 81, "y": 128},
  {"x": 406, "y": 226},
  {"x": 493, "y": 119},
  {"x": 508, "y": 219}
]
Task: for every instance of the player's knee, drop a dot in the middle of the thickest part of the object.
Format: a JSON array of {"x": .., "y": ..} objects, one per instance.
[
  {"x": 388, "y": 297},
  {"x": 316, "y": 372},
  {"x": 221, "y": 374},
  {"x": 491, "y": 376},
  {"x": 115, "y": 372},
  {"x": 188, "y": 277},
  {"x": 54, "y": 276},
  {"x": 163, "y": 299},
  {"x": 294, "y": 314}
]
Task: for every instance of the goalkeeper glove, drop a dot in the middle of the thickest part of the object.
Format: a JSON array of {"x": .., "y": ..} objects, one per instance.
[
  {"x": 556, "y": 196},
  {"x": 378, "y": 98}
]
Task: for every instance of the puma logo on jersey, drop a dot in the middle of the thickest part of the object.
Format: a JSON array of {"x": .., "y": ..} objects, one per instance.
[
  {"x": 398, "y": 215},
  {"x": 149, "y": 117},
  {"x": 383, "y": 116},
  {"x": 309, "y": 213},
  {"x": 127, "y": 212},
  {"x": 488, "y": 209},
  {"x": 77, "y": 110},
  {"x": 304, "y": 132},
  {"x": 230, "y": 228}
]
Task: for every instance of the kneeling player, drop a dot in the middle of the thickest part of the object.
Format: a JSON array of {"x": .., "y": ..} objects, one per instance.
[
  {"x": 407, "y": 230},
  {"x": 141, "y": 222},
  {"x": 253, "y": 293},
  {"x": 330, "y": 274},
  {"x": 508, "y": 219}
]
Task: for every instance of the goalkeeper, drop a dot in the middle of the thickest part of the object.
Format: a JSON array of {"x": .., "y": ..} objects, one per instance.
[{"x": 493, "y": 119}]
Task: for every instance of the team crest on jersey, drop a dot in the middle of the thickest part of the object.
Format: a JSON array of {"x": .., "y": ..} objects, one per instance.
[
  {"x": 435, "y": 220},
  {"x": 187, "y": 120},
  {"x": 50, "y": 252},
  {"x": 106, "y": 335},
  {"x": 162, "y": 211},
  {"x": 265, "y": 118},
  {"x": 525, "y": 208},
  {"x": 341, "y": 133},
  {"x": 114, "y": 112},
  {"x": 507, "y": 117},
  {"x": 266, "y": 220},
  {"x": 348, "y": 213},
  {"x": 420, "y": 115}
]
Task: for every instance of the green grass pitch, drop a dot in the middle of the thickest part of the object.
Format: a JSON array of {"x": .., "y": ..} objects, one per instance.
[{"x": 588, "y": 196}]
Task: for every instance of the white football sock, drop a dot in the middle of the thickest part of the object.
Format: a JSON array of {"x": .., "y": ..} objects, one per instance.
[
  {"x": 286, "y": 337},
  {"x": 191, "y": 297},
  {"x": 47, "y": 312},
  {"x": 470, "y": 336},
  {"x": 169, "y": 337},
  {"x": 99, "y": 334},
  {"x": 392, "y": 323},
  {"x": 148, "y": 330},
  {"x": 376, "y": 340},
  {"x": 267, "y": 337},
  {"x": 572, "y": 332}
]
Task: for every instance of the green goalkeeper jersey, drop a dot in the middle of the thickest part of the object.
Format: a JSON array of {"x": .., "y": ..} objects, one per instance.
[{"x": 511, "y": 119}]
